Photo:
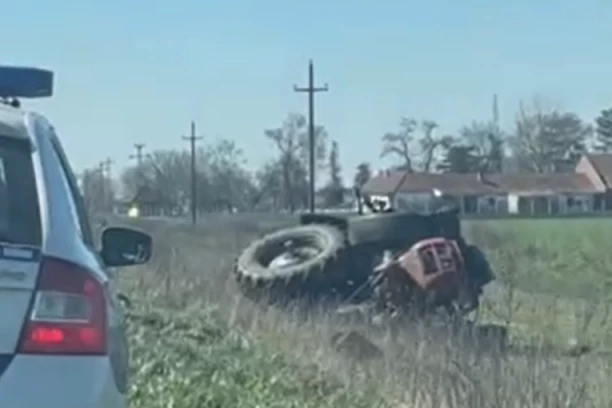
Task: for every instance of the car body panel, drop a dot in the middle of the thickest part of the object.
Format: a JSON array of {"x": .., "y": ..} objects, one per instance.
[
  {"x": 17, "y": 281},
  {"x": 59, "y": 382},
  {"x": 55, "y": 380}
]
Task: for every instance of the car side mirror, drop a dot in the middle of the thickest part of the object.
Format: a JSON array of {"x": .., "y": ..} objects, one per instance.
[{"x": 125, "y": 247}]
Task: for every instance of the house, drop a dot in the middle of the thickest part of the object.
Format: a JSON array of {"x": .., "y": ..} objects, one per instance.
[
  {"x": 149, "y": 201},
  {"x": 347, "y": 198},
  {"x": 587, "y": 189}
]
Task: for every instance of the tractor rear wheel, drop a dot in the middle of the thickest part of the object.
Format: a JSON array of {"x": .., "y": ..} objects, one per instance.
[{"x": 291, "y": 263}]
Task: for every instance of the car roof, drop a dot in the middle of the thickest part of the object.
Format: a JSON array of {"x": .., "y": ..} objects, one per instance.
[{"x": 13, "y": 122}]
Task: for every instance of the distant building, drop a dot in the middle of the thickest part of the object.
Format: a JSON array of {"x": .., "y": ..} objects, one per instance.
[
  {"x": 587, "y": 189},
  {"x": 149, "y": 201},
  {"x": 348, "y": 198}
]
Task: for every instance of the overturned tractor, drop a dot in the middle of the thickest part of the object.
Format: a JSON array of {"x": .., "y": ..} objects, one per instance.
[{"x": 403, "y": 262}]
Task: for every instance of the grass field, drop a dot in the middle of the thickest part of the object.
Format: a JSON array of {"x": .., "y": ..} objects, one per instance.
[{"x": 197, "y": 343}]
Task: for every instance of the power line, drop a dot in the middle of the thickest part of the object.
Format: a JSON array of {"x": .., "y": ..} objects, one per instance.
[
  {"x": 311, "y": 90},
  {"x": 192, "y": 139}
]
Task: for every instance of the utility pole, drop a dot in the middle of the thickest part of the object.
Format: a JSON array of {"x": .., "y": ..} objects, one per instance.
[
  {"x": 100, "y": 169},
  {"x": 138, "y": 156},
  {"x": 192, "y": 139},
  {"x": 107, "y": 181},
  {"x": 495, "y": 115},
  {"x": 106, "y": 167},
  {"x": 311, "y": 90}
]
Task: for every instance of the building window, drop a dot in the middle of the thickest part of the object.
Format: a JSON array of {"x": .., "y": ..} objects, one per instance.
[
  {"x": 598, "y": 202},
  {"x": 540, "y": 205},
  {"x": 524, "y": 205},
  {"x": 487, "y": 205},
  {"x": 470, "y": 204},
  {"x": 607, "y": 201},
  {"x": 577, "y": 204}
]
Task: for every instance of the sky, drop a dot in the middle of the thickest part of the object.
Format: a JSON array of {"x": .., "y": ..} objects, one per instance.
[{"x": 139, "y": 71}]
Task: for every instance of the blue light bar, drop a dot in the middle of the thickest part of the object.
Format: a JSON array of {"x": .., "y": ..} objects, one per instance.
[{"x": 25, "y": 82}]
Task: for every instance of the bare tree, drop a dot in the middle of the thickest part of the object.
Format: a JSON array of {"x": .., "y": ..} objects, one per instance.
[
  {"x": 431, "y": 143},
  {"x": 270, "y": 194},
  {"x": 547, "y": 140},
  {"x": 476, "y": 135},
  {"x": 334, "y": 190},
  {"x": 399, "y": 144},
  {"x": 231, "y": 183},
  {"x": 363, "y": 174},
  {"x": 291, "y": 140},
  {"x": 486, "y": 143},
  {"x": 167, "y": 172},
  {"x": 223, "y": 182},
  {"x": 98, "y": 191}
]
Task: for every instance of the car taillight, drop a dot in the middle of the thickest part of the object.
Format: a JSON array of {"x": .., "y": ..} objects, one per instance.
[{"x": 67, "y": 315}]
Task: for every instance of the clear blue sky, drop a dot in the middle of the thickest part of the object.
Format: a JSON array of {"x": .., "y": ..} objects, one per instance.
[{"x": 131, "y": 71}]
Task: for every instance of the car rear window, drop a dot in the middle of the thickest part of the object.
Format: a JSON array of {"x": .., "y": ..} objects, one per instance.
[{"x": 19, "y": 210}]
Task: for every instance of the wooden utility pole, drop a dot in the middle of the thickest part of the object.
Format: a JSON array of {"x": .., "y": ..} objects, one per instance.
[
  {"x": 103, "y": 194},
  {"x": 107, "y": 183},
  {"x": 106, "y": 167},
  {"x": 311, "y": 90},
  {"x": 138, "y": 155},
  {"x": 192, "y": 139},
  {"x": 495, "y": 111}
]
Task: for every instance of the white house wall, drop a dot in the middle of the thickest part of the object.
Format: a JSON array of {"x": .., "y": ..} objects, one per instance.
[
  {"x": 501, "y": 203},
  {"x": 513, "y": 203},
  {"x": 583, "y": 202}
]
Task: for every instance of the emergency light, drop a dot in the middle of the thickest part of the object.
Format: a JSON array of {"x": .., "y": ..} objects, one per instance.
[{"x": 25, "y": 82}]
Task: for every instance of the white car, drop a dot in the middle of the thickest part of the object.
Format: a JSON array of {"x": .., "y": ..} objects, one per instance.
[{"x": 62, "y": 337}]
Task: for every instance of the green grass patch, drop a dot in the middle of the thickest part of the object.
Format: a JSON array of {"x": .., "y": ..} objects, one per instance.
[
  {"x": 189, "y": 360},
  {"x": 568, "y": 257}
]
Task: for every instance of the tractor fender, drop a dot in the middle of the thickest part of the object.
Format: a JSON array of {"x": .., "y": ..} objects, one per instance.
[{"x": 339, "y": 222}]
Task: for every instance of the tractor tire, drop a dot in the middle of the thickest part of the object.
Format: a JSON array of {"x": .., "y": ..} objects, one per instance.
[
  {"x": 479, "y": 273},
  {"x": 316, "y": 275},
  {"x": 478, "y": 268}
]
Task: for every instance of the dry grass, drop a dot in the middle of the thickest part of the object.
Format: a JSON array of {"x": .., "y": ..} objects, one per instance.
[{"x": 197, "y": 343}]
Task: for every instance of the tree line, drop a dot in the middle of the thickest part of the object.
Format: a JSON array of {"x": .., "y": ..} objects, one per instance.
[{"x": 542, "y": 140}]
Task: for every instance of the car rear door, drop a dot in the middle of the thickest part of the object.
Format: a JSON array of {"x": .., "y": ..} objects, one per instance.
[{"x": 20, "y": 240}]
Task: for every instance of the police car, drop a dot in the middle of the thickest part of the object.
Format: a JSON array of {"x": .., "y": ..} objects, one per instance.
[{"x": 62, "y": 337}]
